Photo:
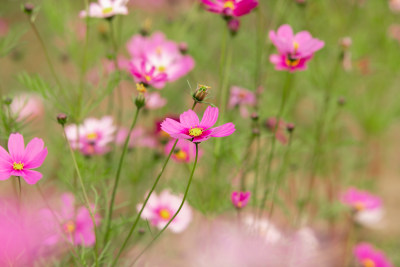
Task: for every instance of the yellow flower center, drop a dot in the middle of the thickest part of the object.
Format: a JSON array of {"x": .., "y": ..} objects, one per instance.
[
  {"x": 239, "y": 204},
  {"x": 195, "y": 132},
  {"x": 180, "y": 154},
  {"x": 161, "y": 68},
  {"x": 147, "y": 77},
  {"x": 165, "y": 214},
  {"x": 296, "y": 46},
  {"x": 92, "y": 136},
  {"x": 292, "y": 62},
  {"x": 368, "y": 263},
  {"x": 18, "y": 166},
  {"x": 359, "y": 206},
  {"x": 69, "y": 227},
  {"x": 140, "y": 88},
  {"x": 229, "y": 4},
  {"x": 107, "y": 10}
]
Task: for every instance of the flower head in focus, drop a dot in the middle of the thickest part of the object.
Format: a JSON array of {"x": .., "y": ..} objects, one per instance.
[
  {"x": 185, "y": 151},
  {"x": 230, "y": 8},
  {"x": 191, "y": 128},
  {"x": 106, "y": 9},
  {"x": 21, "y": 160},
  {"x": 295, "y": 50},
  {"x": 367, "y": 256}
]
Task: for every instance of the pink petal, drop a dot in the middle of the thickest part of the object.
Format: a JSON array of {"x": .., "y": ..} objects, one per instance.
[
  {"x": 16, "y": 146},
  {"x": 68, "y": 201},
  {"x": 34, "y": 154},
  {"x": 189, "y": 119},
  {"x": 31, "y": 177},
  {"x": 210, "y": 117},
  {"x": 5, "y": 159},
  {"x": 4, "y": 174},
  {"x": 223, "y": 130},
  {"x": 171, "y": 126}
]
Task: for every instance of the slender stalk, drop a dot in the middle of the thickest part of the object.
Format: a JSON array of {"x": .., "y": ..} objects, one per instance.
[
  {"x": 118, "y": 175},
  {"x": 257, "y": 172},
  {"x": 177, "y": 212},
  {"x": 87, "y": 203}
]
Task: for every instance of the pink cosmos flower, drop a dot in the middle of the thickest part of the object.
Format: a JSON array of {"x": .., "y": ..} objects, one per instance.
[
  {"x": 154, "y": 101},
  {"x": 190, "y": 128},
  {"x": 20, "y": 160},
  {"x": 74, "y": 225},
  {"x": 241, "y": 98},
  {"x": 160, "y": 209},
  {"x": 139, "y": 138},
  {"x": 230, "y": 8},
  {"x": 240, "y": 199},
  {"x": 106, "y": 9},
  {"x": 94, "y": 135},
  {"x": 294, "y": 50},
  {"x": 156, "y": 60},
  {"x": 185, "y": 151},
  {"x": 368, "y": 256},
  {"x": 26, "y": 106},
  {"x": 280, "y": 130}
]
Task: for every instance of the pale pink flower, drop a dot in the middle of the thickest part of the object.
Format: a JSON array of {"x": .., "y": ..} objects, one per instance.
[
  {"x": 241, "y": 98},
  {"x": 154, "y": 101},
  {"x": 185, "y": 151},
  {"x": 366, "y": 255},
  {"x": 106, "y": 9},
  {"x": 93, "y": 136},
  {"x": 295, "y": 50},
  {"x": 189, "y": 127},
  {"x": 160, "y": 209},
  {"x": 230, "y": 8},
  {"x": 394, "y": 5},
  {"x": 139, "y": 138},
  {"x": 26, "y": 106},
  {"x": 20, "y": 160},
  {"x": 240, "y": 199},
  {"x": 71, "y": 224}
]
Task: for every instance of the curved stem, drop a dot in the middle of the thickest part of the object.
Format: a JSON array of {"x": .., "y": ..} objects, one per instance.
[
  {"x": 176, "y": 213},
  {"x": 117, "y": 177}
]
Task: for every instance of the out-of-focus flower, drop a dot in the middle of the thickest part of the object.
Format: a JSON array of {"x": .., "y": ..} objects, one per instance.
[
  {"x": 233, "y": 26},
  {"x": 156, "y": 60},
  {"x": 160, "y": 209},
  {"x": 106, "y": 9},
  {"x": 240, "y": 199},
  {"x": 26, "y": 106},
  {"x": 367, "y": 256},
  {"x": 394, "y": 5},
  {"x": 279, "y": 130},
  {"x": 74, "y": 225},
  {"x": 294, "y": 50},
  {"x": 189, "y": 127},
  {"x": 367, "y": 207},
  {"x": 230, "y": 8},
  {"x": 394, "y": 32},
  {"x": 154, "y": 101},
  {"x": 345, "y": 44},
  {"x": 263, "y": 228},
  {"x": 242, "y": 98},
  {"x": 162, "y": 136},
  {"x": 20, "y": 160},
  {"x": 3, "y": 27},
  {"x": 139, "y": 138},
  {"x": 185, "y": 151},
  {"x": 93, "y": 136}
]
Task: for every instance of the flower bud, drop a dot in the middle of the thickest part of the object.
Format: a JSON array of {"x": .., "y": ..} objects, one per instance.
[
  {"x": 140, "y": 100},
  {"x": 290, "y": 127},
  {"x": 7, "y": 100},
  {"x": 183, "y": 48},
  {"x": 254, "y": 116},
  {"x": 201, "y": 92},
  {"x": 28, "y": 8},
  {"x": 62, "y": 119},
  {"x": 234, "y": 25}
]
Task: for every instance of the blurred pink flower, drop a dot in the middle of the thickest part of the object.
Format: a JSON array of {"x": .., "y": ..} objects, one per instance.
[
  {"x": 240, "y": 199},
  {"x": 241, "y": 98},
  {"x": 229, "y": 8},
  {"x": 185, "y": 151},
  {"x": 156, "y": 60},
  {"x": 93, "y": 136},
  {"x": 3, "y": 27},
  {"x": 160, "y": 209},
  {"x": 294, "y": 50},
  {"x": 190, "y": 128},
  {"x": 20, "y": 160},
  {"x": 280, "y": 130},
  {"x": 26, "y": 106},
  {"x": 366, "y": 255},
  {"x": 70, "y": 223},
  {"x": 154, "y": 101},
  {"x": 106, "y": 9},
  {"x": 139, "y": 138},
  {"x": 394, "y": 5}
]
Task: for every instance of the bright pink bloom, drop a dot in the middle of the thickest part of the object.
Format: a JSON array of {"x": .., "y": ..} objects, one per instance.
[
  {"x": 185, "y": 151},
  {"x": 240, "y": 199},
  {"x": 139, "y": 138},
  {"x": 94, "y": 135},
  {"x": 26, "y": 106},
  {"x": 74, "y": 225},
  {"x": 294, "y": 50},
  {"x": 230, "y": 8},
  {"x": 106, "y": 9},
  {"x": 190, "y": 128},
  {"x": 160, "y": 209},
  {"x": 156, "y": 60},
  {"x": 242, "y": 98},
  {"x": 20, "y": 160},
  {"x": 154, "y": 100},
  {"x": 368, "y": 256},
  {"x": 279, "y": 131}
]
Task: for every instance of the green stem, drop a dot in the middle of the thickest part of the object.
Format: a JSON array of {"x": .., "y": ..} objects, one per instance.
[
  {"x": 177, "y": 212},
  {"x": 117, "y": 177},
  {"x": 257, "y": 172}
]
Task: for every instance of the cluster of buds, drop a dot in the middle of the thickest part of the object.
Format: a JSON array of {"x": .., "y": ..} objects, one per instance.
[{"x": 201, "y": 93}]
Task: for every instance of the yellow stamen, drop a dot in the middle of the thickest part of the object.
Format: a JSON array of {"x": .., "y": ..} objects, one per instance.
[
  {"x": 141, "y": 88},
  {"x": 195, "y": 132},
  {"x": 292, "y": 62},
  {"x": 91, "y": 136},
  {"x": 165, "y": 214},
  {"x": 239, "y": 204},
  {"x": 229, "y": 4},
  {"x": 69, "y": 227},
  {"x": 296, "y": 46},
  {"x": 147, "y": 77},
  {"x": 180, "y": 154},
  {"x": 161, "y": 69},
  {"x": 18, "y": 166},
  {"x": 368, "y": 263},
  {"x": 359, "y": 206},
  {"x": 107, "y": 10}
]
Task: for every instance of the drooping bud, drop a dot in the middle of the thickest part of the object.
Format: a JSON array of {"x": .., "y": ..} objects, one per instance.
[
  {"x": 341, "y": 101},
  {"x": 62, "y": 119},
  {"x": 290, "y": 127},
  {"x": 201, "y": 92},
  {"x": 234, "y": 25},
  {"x": 183, "y": 48}
]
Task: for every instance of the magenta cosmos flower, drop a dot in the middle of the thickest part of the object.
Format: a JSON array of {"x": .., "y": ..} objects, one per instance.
[
  {"x": 368, "y": 256},
  {"x": 156, "y": 60},
  {"x": 190, "y": 128},
  {"x": 185, "y": 151},
  {"x": 240, "y": 199},
  {"x": 74, "y": 225},
  {"x": 160, "y": 209},
  {"x": 106, "y": 9},
  {"x": 230, "y": 8},
  {"x": 241, "y": 98},
  {"x": 294, "y": 50},
  {"x": 93, "y": 136},
  {"x": 20, "y": 160}
]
